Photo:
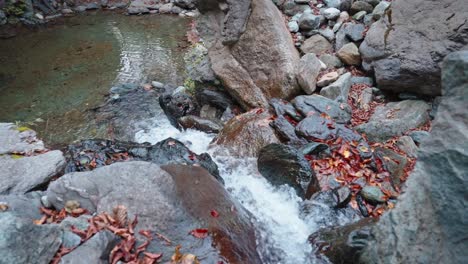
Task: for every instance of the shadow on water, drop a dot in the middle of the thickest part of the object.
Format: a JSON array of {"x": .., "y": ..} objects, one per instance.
[{"x": 50, "y": 78}]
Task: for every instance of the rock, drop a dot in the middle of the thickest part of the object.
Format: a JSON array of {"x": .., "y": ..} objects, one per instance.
[
  {"x": 157, "y": 85},
  {"x": 342, "y": 195},
  {"x": 315, "y": 105},
  {"x": 309, "y": 21},
  {"x": 281, "y": 164},
  {"x": 166, "y": 8},
  {"x": 199, "y": 123},
  {"x": 327, "y": 33},
  {"x": 419, "y": 136},
  {"x": 3, "y": 18},
  {"x": 81, "y": 222},
  {"x": 23, "y": 174},
  {"x": 359, "y": 15},
  {"x": 373, "y": 2},
  {"x": 331, "y": 13},
  {"x": 343, "y": 244},
  {"x": 123, "y": 88},
  {"x": 341, "y": 38},
  {"x": 404, "y": 62},
  {"x": 362, "y": 80},
  {"x": 198, "y": 65},
  {"x": 368, "y": 20},
  {"x": 247, "y": 133},
  {"x": 168, "y": 151},
  {"x": 137, "y": 10},
  {"x": 293, "y": 26},
  {"x": 331, "y": 61},
  {"x": 290, "y": 8},
  {"x": 67, "y": 11},
  {"x": 316, "y": 44},
  {"x": 185, "y": 195},
  {"x": 316, "y": 127},
  {"x": 365, "y": 99},
  {"x": 14, "y": 139},
  {"x": 379, "y": 10},
  {"x": 407, "y": 145},
  {"x": 186, "y": 4},
  {"x": 372, "y": 194},
  {"x": 92, "y": 6},
  {"x": 24, "y": 206},
  {"x": 342, "y": 5},
  {"x": 327, "y": 79},
  {"x": 349, "y": 54},
  {"x": 71, "y": 240},
  {"x": 394, "y": 119},
  {"x": 177, "y": 105},
  {"x": 392, "y": 162},
  {"x": 309, "y": 69},
  {"x": 315, "y": 148},
  {"x": 427, "y": 224},
  {"x": 176, "y": 10},
  {"x": 258, "y": 64},
  {"x": 213, "y": 97},
  {"x": 42, "y": 241},
  {"x": 355, "y": 32},
  {"x": 96, "y": 250},
  {"x": 282, "y": 107},
  {"x": 209, "y": 112},
  {"x": 339, "y": 90},
  {"x": 359, "y": 6},
  {"x": 285, "y": 130}
]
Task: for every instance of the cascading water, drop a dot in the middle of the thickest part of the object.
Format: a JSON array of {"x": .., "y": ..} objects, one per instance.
[{"x": 282, "y": 233}]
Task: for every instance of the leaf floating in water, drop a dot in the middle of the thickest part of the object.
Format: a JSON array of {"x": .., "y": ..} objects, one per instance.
[{"x": 199, "y": 233}]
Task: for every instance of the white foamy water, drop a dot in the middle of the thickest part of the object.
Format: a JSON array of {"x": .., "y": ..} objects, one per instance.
[{"x": 281, "y": 233}]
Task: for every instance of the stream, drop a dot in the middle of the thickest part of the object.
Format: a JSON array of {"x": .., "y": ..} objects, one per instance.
[{"x": 50, "y": 79}]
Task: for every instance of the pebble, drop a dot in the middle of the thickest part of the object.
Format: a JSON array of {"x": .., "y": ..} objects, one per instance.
[
  {"x": 328, "y": 79},
  {"x": 380, "y": 9},
  {"x": 359, "y": 15},
  {"x": 372, "y": 194},
  {"x": 293, "y": 26},
  {"x": 331, "y": 13},
  {"x": 349, "y": 54}
]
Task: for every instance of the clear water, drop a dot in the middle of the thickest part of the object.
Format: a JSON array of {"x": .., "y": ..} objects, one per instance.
[{"x": 58, "y": 73}]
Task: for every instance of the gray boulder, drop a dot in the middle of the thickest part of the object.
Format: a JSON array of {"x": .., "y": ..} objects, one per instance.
[
  {"x": 198, "y": 65},
  {"x": 316, "y": 44},
  {"x": 309, "y": 21},
  {"x": 14, "y": 139},
  {"x": 315, "y": 105},
  {"x": 408, "y": 62},
  {"x": 96, "y": 250},
  {"x": 23, "y": 174},
  {"x": 199, "y": 123},
  {"x": 339, "y": 90},
  {"x": 309, "y": 69},
  {"x": 428, "y": 224},
  {"x": 25, "y": 206},
  {"x": 23, "y": 242},
  {"x": 394, "y": 119},
  {"x": 331, "y": 61},
  {"x": 172, "y": 199},
  {"x": 317, "y": 127},
  {"x": 349, "y": 54},
  {"x": 255, "y": 65}
]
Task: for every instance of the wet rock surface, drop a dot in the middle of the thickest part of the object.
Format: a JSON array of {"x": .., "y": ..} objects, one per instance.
[{"x": 317, "y": 105}]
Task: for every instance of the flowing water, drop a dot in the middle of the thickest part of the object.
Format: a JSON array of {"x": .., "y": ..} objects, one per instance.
[{"x": 59, "y": 73}]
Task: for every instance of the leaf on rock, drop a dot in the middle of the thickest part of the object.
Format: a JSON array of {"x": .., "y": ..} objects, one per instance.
[
  {"x": 199, "y": 233},
  {"x": 214, "y": 213}
]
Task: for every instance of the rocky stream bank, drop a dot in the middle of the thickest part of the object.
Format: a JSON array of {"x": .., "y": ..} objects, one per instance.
[{"x": 335, "y": 105}]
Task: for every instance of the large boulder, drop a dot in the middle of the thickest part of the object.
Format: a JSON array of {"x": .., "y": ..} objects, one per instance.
[
  {"x": 20, "y": 174},
  {"x": 405, "y": 48},
  {"x": 23, "y": 242},
  {"x": 14, "y": 139},
  {"x": 172, "y": 200},
  {"x": 394, "y": 119},
  {"x": 255, "y": 65},
  {"x": 428, "y": 224},
  {"x": 247, "y": 133},
  {"x": 282, "y": 164}
]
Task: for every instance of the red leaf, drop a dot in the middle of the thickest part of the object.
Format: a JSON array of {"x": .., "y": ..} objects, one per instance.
[
  {"x": 199, "y": 233},
  {"x": 214, "y": 213},
  {"x": 152, "y": 255},
  {"x": 259, "y": 111}
]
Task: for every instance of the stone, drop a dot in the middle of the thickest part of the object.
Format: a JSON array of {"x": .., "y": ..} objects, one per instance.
[
  {"x": 327, "y": 78},
  {"x": 327, "y": 33},
  {"x": 281, "y": 164},
  {"x": 131, "y": 10},
  {"x": 173, "y": 199},
  {"x": 309, "y": 69},
  {"x": 392, "y": 162},
  {"x": 293, "y": 26},
  {"x": 123, "y": 88},
  {"x": 404, "y": 62},
  {"x": 339, "y": 90},
  {"x": 23, "y": 174},
  {"x": 394, "y": 119},
  {"x": 177, "y": 105},
  {"x": 282, "y": 107},
  {"x": 419, "y": 136},
  {"x": 342, "y": 196},
  {"x": 343, "y": 244},
  {"x": 176, "y": 10},
  {"x": 70, "y": 239},
  {"x": 258, "y": 64},
  {"x": 166, "y": 8},
  {"x": 315, "y": 105},
  {"x": 209, "y": 112},
  {"x": 359, "y": 15},
  {"x": 291, "y": 8},
  {"x": 198, "y": 65},
  {"x": 199, "y": 123},
  {"x": 92, "y": 6},
  {"x": 245, "y": 134},
  {"x": 373, "y": 194},
  {"x": 157, "y": 85},
  {"x": 14, "y": 139},
  {"x": 315, "y": 148},
  {"x": 373, "y": 2},
  {"x": 96, "y": 250},
  {"x": 3, "y": 18},
  {"x": 349, "y": 54},
  {"x": 331, "y": 61},
  {"x": 316, "y": 127},
  {"x": 379, "y": 10},
  {"x": 24, "y": 206},
  {"x": 362, "y": 80},
  {"x": 215, "y": 98},
  {"x": 359, "y": 6},
  {"x": 365, "y": 99},
  {"x": 427, "y": 223},
  {"x": 309, "y": 21},
  {"x": 407, "y": 145},
  {"x": 66, "y": 11},
  {"x": 42, "y": 241},
  {"x": 355, "y": 32},
  {"x": 331, "y": 13},
  {"x": 186, "y": 4},
  {"x": 285, "y": 130},
  {"x": 316, "y": 44}
]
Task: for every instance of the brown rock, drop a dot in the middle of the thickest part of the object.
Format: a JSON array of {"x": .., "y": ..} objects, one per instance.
[
  {"x": 349, "y": 54},
  {"x": 316, "y": 44}
]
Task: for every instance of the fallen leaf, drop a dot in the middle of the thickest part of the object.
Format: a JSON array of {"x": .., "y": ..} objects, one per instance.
[
  {"x": 214, "y": 213},
  {"x": 199, "y": 233}
]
